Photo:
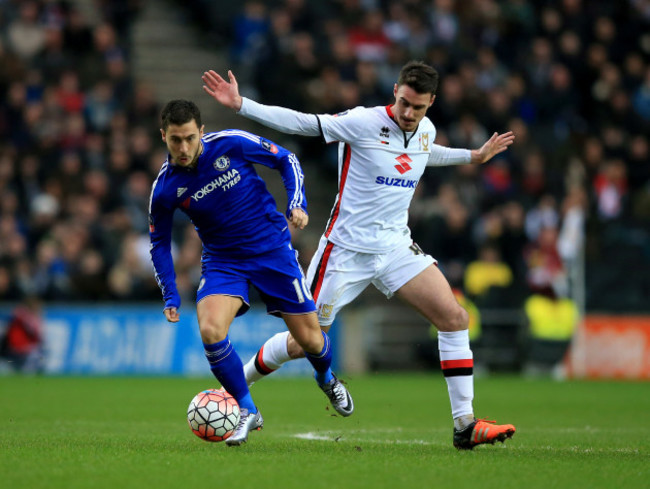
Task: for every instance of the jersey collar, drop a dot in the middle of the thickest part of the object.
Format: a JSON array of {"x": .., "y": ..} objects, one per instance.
[{"x": 407, "y": 139}]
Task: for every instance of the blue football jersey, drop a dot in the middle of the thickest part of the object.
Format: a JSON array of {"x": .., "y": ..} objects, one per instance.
[{"x": 233, "y": 212}]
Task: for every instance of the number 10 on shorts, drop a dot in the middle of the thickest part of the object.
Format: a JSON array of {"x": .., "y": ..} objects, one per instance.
[{"x": 302, "y": 290}]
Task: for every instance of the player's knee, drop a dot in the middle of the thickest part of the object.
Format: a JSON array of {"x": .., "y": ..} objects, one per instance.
[
  {"x": 212, "y": 331},
  {"x": 310, "y": 340},
  {"x": 294, "y": 349},
  {"x": 456, "y": 320},
  {"x": 461, "y": 319}
]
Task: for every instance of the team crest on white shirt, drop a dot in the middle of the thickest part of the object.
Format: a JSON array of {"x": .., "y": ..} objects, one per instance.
[
  {"x": 222, "y": 163},
  {"x": 424, "y": 141},
  {"x": 325, "y": 310}
]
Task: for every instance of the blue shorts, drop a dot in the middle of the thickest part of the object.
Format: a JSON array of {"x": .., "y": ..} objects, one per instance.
[{"x": 276, "y": 275}]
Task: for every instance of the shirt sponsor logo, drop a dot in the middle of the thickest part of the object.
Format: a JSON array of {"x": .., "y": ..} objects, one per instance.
[
  {"x": 223, "y": 182},
  {"x": 396, "y": 182},
  {"x": 222, "y": 163},
  {"x": 403, "y": 165}
]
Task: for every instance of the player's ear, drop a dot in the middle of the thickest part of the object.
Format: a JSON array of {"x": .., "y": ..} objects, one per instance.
[
  {"x": 395, "y": 90},
  {"x": 433, "y": 97},
  {"x": 201, "y": 131},
  {"x": 162, "y": 134}
]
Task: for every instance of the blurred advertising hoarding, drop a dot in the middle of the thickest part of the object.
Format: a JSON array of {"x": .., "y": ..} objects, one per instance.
[
  {"x": 611, "y": 347},
  {"x": 137, "y": 340}
]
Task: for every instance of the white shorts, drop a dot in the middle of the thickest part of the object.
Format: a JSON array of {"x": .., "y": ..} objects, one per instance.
[{"x": 336, "y": 275}]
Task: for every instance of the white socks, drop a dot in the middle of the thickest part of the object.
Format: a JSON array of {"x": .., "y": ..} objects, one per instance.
[
  {"x": 270, "y": 357},
  {"x": 457, "y": 365},
  {"x": 456, "y": 360}
]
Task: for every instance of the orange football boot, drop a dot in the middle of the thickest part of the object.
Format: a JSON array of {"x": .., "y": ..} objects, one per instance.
[{"x": 482, "y": 431}]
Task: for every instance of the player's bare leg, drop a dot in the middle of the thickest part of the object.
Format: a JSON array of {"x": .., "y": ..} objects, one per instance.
[{"x": 430, "y": 294}]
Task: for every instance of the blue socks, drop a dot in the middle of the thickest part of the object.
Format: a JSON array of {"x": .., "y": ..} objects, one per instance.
[
  {"x": 227, "y": 367},
  {"x": 322, "y": 362}
]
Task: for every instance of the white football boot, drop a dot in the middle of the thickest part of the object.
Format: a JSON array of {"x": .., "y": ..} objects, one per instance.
[
  {"x": 338, "y": 396},
  {"x": 247, "y": 422}
]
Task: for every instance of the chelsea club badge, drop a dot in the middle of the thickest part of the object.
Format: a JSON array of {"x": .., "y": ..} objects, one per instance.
[{"x": 221, "y": 163}]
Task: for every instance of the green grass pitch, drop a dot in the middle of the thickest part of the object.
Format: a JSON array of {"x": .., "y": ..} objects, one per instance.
[{"x": 124, "y": 433}]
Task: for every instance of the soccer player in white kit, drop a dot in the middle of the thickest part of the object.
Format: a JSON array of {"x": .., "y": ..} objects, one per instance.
[{"x": 383, "y": 152}]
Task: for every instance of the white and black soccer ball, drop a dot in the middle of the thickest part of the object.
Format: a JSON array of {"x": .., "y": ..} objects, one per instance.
[{"x": 213, "y": 415}]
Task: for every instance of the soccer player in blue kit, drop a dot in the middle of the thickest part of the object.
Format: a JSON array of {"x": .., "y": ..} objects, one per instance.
[{"x": 246, "y": 241}]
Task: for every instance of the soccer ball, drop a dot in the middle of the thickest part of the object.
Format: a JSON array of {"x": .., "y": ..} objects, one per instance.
[{"x": 213, "y": 415}]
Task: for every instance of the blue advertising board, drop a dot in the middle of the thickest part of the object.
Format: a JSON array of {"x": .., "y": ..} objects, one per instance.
[{"x": 137, "y": 340}]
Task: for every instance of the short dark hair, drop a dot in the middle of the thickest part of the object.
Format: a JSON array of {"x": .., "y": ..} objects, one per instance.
[
  {"x": 420, "y": 76},
  {"x": 179, "y": 112}
]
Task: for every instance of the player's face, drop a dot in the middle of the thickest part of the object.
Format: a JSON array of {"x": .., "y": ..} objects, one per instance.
[
  {"x": 410, "y": 107},
  {"x": 183, "y": 142}
]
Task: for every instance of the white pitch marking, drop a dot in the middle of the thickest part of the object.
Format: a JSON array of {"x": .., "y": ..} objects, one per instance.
[
  {"x": 333, "y": 436},
  {"x": 310, "y": 435}
]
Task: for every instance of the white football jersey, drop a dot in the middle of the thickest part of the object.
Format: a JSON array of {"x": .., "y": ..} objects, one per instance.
[{"x": 379, "y": 168}]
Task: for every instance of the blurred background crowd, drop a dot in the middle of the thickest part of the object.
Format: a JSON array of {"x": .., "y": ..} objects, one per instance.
[
  {"x": 565, "y": 213},
  {"x": 77, "y": 155}
]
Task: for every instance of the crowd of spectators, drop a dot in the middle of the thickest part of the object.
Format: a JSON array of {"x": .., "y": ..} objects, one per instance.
[
  {"x": 571, "y": 78},
  {"x": 79, "y": 140},
  {"x": 78, "y": 154}
]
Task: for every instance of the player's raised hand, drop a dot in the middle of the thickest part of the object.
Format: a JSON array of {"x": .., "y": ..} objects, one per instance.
[
  {"x": 171, "y": 314},
  {"x": 498, "y": 143},
  {"x": 226, "y": 93},
  {"x": 298, "y": 218}
]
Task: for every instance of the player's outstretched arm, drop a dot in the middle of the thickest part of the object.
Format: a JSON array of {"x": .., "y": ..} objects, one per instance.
[
  {"x": 298, "y": 218},
  {"x": 226, "y": 93},
  {"x": 279, "y": 118},
  {"x": 498, "y": 143}
]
